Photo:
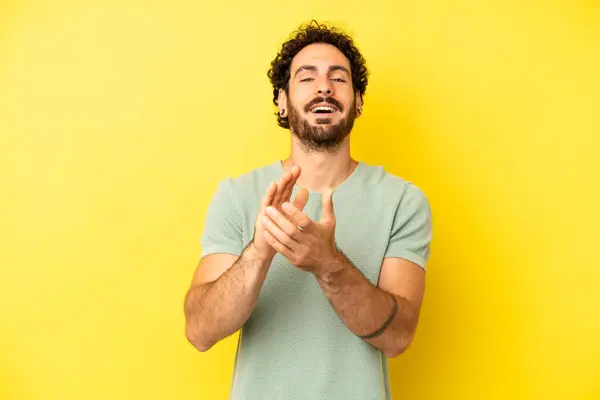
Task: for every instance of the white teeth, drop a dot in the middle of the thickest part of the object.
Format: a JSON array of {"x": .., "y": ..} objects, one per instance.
[{"x": 322, "y": 108}]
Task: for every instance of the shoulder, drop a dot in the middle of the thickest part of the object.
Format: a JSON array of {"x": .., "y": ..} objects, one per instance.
[{"x": 390, "y": 187}]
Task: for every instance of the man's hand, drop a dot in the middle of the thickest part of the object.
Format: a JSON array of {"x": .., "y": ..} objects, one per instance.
[
  {"x": 277, "y": 193},
  {"x": 307, "y": 244}
]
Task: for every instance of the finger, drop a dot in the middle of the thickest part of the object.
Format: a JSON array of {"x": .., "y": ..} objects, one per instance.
[
  {"x": 268, "y": 197},
  {"x": 301, "y": 199},
  {"x": 327, "y": 214},
  {"x": 287, "y": 192},
  {"x": 281, "y": 185},
  {"x": 296, "y": 171},
  {"x": 281, "y": 233},
  {"x": 296, "y": 216},
  {"x": 281, "y": 221},
  {"x": 278, "y": 246}
]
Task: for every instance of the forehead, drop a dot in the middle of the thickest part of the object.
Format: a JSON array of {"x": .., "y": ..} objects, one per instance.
[{"x": 321, "y": 55}]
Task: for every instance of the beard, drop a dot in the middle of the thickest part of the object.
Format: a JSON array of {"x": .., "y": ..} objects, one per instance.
[{"x": 321, "y": 137}]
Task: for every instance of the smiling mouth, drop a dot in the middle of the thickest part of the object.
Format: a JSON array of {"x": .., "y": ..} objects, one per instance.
[{"x": 323, "y": 110}]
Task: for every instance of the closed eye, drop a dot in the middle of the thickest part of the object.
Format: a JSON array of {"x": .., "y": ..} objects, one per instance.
[
  {"x": 306, "y": 79},
  {"x": 339, "y": 80}
]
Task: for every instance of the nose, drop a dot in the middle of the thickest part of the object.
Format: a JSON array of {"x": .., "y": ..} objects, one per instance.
[{"x": 324, "y": 88}]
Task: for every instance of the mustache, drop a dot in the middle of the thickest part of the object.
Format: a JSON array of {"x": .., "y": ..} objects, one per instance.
[{"x": 318, "y": 100}]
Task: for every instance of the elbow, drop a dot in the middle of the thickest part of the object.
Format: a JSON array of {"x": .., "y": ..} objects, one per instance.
[
  {"x": 201, "y": 346},
  {"x": 398, "y": 347},
  {"x": 196, "y": 339},
  {"x": 394, "y": 351}
]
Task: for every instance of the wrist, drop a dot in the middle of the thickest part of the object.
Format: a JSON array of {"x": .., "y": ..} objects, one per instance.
[
  {"x": 333, "y": 268},
  {"x": 260, "y": 257}
]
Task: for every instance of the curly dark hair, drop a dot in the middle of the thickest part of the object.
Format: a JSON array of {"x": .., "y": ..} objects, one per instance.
[{"x": 310, "y": 33}]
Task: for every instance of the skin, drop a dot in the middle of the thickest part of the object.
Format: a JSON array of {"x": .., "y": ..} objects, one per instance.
[{"x": 225, "y": 288}]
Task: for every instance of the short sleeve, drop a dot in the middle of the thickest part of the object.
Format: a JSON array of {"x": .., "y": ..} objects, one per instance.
[
  {"x": 411, "y": 232},
  {"x": 223, "y": 223}
]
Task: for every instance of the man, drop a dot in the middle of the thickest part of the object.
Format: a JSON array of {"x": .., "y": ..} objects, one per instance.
[{"x": 327, "y": 286}]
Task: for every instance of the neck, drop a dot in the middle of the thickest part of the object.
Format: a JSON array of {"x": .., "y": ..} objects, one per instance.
[{"x": 321, "y": 171}]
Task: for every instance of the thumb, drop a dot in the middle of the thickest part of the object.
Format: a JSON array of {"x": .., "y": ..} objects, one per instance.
[{"x": 327, "y": 214}]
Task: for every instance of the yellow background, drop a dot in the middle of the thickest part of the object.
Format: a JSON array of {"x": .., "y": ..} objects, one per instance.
[{"x": 118, "y": 118}]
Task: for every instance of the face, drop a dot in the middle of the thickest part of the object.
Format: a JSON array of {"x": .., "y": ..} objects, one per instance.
[{"x": 321, "y": 103}]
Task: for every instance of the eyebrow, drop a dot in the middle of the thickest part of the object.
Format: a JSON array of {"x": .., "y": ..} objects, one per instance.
[{"x": 313, "y": 68}]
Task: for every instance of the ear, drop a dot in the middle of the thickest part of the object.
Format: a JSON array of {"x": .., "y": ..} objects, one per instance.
[
  {"x": 282, "y": 103},
  {"x": 359, "y": 104}
]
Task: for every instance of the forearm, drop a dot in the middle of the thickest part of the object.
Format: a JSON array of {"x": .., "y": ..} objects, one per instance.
[
  {"x": 364, "y": 308},
  {"x": 218, "y": 309}
]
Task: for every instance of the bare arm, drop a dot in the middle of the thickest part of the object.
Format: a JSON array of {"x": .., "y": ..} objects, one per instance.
[
  {"x": 385, "y": 315},
  {"x": 225, "y": 288},
  {"x": 215, "y": 309},
  {"x": 365, "y": 308}
]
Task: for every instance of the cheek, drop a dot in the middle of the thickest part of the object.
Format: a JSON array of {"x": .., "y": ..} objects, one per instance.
[
  {"x": 300, "y": 102},
  {"x": 349, "y": 95},
  {"x": 351, "y": 103},
  {"x": 302, "y": 95}
]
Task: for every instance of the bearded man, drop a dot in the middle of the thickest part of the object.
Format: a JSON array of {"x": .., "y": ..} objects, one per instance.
[{"x": 318, "y": 258}]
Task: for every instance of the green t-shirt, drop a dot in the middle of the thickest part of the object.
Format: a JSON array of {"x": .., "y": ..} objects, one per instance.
[{"x": 294, "y": 346}]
